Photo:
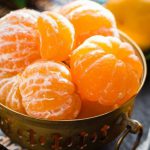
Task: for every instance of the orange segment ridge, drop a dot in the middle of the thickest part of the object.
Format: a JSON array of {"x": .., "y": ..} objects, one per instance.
[
  {"x": 89, "y": 18},
  {"x": 106, "y": 70},
  {"x": 19, "y": 41},
  {"x": 48, "y": 92},
  {"x": 57, "y": 36}
]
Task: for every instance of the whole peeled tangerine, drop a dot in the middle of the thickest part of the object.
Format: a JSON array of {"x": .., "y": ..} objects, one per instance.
[
  {"x": 19, "y": 41},
  {"x": 48, "y": 92},
  {"x": 106, "y": 70},
  {"x": 89, "y": 18},
  {"x": 57, "y": 36}
]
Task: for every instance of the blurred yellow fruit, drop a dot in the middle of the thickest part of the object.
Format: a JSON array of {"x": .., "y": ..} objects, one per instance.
[{"x": 133, "y": 17}]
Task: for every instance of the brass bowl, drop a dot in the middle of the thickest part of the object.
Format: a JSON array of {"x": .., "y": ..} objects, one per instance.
[{"x": 89, "y": 133}]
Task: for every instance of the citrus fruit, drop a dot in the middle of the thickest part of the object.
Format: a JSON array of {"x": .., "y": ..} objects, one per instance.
[
  {"x": 106, "y": 69},
  {"x": 135, "y": 21},
  {"x": 19, "y": 41},
  {"x": 57, "y": 36},
  {"x": 48, "y": 92},
  {"x": 89, "y": 18}
]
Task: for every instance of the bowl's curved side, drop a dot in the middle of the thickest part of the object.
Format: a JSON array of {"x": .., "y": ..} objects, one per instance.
[
  {"x": 44, "y": 135},
  {"x": 69, "y": 134}
]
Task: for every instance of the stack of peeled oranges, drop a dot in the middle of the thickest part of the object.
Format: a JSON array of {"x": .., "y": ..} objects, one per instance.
[{"x": 65, "y": 65}]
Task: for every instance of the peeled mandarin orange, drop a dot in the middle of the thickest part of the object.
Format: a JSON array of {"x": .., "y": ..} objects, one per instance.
[
  {"x": 57, "y": 36},
  {"x": 10, "y": 94},
  {"x": 89, "y": 18},
  {"x": 48, "y": 92},
  {"x": 19, "y": 41},
  {"x": 106, "y": 70}
]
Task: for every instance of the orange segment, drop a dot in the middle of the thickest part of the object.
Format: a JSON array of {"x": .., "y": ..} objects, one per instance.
[
  {"x": 10, "y": 94},
  {"x": 106, "y": 70},
  {"x": 133, "y": 83},
  {"x": 19, "y": 41},
  {"x": 69, "y": 109},
  {"x": 48, "y": 92},
  {"x": 57, "y": 36},
  {"x": 5, "y": 86},
  {"x": 89, "y": 18},
  {"x": 14, "y": 99}
]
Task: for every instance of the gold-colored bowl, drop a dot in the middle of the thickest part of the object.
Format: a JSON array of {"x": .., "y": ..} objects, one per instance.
[{"x": 89, "y": 133}]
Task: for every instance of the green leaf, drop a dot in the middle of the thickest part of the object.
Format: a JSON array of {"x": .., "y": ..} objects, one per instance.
[{"x": 20, "y": 3}]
